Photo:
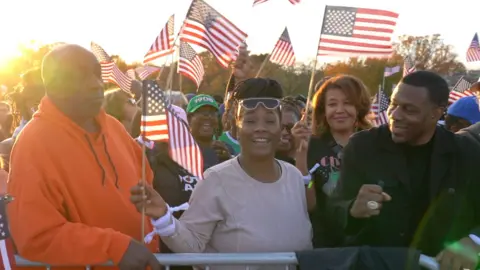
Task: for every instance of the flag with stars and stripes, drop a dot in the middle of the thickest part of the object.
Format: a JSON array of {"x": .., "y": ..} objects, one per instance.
[
  {"x": 145, "y": 71},
  {"x": 190, "y": 65},
  {"x": 459, "y": 90},
  {"x": 473, "y": 51},
  {"x": 163, "y": 44},
  {"x": 389, "y": 71},
  {"x": 131, "y": 74},
  {"x": 110, "y": 71},
  {"x": 379, "y": 108},
  {"x": 160, "y": 123},
  {"x": 283, "y": 53},
  {"x": 408, "y": 66},
  {"x": 350, "y": 31},
  {"x": 7, "y": 256},
  {"x": 207, "y": 28}
]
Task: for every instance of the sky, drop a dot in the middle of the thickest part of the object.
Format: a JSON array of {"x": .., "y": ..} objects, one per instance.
[{"x": 128, "y": 28}]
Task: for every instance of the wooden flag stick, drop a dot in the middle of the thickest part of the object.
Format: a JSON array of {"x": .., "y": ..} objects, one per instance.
[
  {"x": 265, "y": 61},
  {"x": 311, "y": 85},
  {"x": 144, "y": 157},
  {"x": 144, "y": 182}
]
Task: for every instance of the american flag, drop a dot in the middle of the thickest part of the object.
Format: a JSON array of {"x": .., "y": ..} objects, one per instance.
[
  {"x": 473, "y": 52},
  {"x": 207, "y": 28},
  {"x": 349, "y": 31},
  {"x": 159, "y": 123},
  {"x": 163, "y": 44},
  {"x": 461, "y": 89},
  {"x": 283, "y": 53},
  {"x": 110, "y": 72},
  {"x": 408, "y": 66},
  {"x": 7, "y": 256},
  {"x": 145, "y": 71},
  {"x": 293, "y": 2},
  {"x": 190, "y": 65},
  {"x": 379, "y": 108},
  {"x": 131, "y": 74},
  {"x": 242, "y": 46},
  {"x": 389, "y": 71}
]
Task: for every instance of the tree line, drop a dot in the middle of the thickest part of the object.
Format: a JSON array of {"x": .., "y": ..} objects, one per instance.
[{"x": 427, "y": 52}]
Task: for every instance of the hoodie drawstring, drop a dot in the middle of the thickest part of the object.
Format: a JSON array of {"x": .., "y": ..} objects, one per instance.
[
  {"x": 98, "y": 160},
  {"x": 110, "y": 160}
]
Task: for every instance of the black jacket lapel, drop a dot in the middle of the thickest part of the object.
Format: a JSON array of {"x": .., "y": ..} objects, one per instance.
[
  {"x": 393, "y": 157},
  {"x": 441, "y": 161}
]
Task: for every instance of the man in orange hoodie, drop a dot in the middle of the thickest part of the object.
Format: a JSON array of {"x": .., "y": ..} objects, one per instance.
[{"x": 71, "y": 171}]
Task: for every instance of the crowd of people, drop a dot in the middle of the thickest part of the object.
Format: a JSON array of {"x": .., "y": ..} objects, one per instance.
[{"x": 279, "y": 177}]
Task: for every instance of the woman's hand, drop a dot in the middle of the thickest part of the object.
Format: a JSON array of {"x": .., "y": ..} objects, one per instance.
[
  {"x": 301, "y": 132},
  {"x": 242, "y": 64},
  {"x": 222, "y": 150},
  {"x": 155, "y": 206}
]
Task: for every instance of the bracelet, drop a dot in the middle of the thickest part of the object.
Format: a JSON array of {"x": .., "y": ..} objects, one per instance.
[
  {"x": 165, "y": 225},
  {"x": 307, "y": 179}
]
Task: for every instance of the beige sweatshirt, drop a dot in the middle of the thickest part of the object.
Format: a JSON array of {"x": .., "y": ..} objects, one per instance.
[{"x": 232, "y": 212}]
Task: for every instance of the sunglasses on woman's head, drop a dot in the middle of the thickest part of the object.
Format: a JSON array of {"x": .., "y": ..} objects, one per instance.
[{"x": 253, "y": 103}]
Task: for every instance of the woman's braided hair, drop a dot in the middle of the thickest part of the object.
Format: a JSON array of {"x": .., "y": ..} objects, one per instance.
[{"x": 289, "y": 103}]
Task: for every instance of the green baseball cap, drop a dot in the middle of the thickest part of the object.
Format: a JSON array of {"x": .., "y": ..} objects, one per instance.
[{"x": 199, "y": 101}]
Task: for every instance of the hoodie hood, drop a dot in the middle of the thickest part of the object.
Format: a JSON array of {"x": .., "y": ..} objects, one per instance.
[
  {"x": 50, "y": 112},
  {"x": 96, "y": 143}
]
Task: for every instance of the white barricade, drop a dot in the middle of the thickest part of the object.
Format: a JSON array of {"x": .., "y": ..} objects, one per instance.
[{"x": 242, "y": 259}]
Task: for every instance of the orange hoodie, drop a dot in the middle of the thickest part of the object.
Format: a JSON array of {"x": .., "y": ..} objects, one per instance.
[{"x": 72, "y": 190}]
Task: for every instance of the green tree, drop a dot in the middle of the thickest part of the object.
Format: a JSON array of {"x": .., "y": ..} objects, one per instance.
[{"x": 430, "y": 53}]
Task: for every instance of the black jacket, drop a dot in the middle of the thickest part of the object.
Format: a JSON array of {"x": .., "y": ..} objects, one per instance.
[
  {"x": 326, "y": 152},
  {"x": 359, "y": 258},
  {"x": 472, "y": 133},
  {"x": 371, "y": 157}
]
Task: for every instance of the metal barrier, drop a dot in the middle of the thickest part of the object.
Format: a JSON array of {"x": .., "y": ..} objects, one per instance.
[{"x": 238, "y": 259}]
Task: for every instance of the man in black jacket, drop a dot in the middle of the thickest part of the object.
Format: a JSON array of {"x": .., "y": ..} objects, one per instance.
[{"x": 411, "y": 183}]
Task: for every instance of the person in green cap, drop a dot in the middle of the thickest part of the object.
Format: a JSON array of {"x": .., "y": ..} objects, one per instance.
[{"x": 202, "y": 117}]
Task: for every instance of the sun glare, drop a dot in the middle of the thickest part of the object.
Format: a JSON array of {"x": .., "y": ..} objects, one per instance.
[{"x": 8, "y": 52}]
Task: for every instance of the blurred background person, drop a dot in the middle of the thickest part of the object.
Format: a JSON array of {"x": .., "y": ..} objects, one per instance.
[
  {"x": 176, "y": 98},
  {"x": 291, "y": 114},
  {"x": 122, "y": 106},
  {"x": 462, "y": 113}
]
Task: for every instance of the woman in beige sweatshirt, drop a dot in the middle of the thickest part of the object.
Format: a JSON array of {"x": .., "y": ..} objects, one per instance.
[{"x": 251, "y": 203}]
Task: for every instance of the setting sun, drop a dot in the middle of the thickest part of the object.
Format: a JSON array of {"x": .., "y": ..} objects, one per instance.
[{"x": 8, "y": 51}]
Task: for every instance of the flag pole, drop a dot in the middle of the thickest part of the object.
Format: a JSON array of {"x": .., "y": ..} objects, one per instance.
[
  {"x": 144, "y": 155},
  {"x": 267, "y": 58},
  {"x": 383, "y": 79},
  {"x": 170, "y": 74},
  {"x": 180, "y": 81},
  {"x": 314, "y": 68},
  {"x": 312, "y": 78}
]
